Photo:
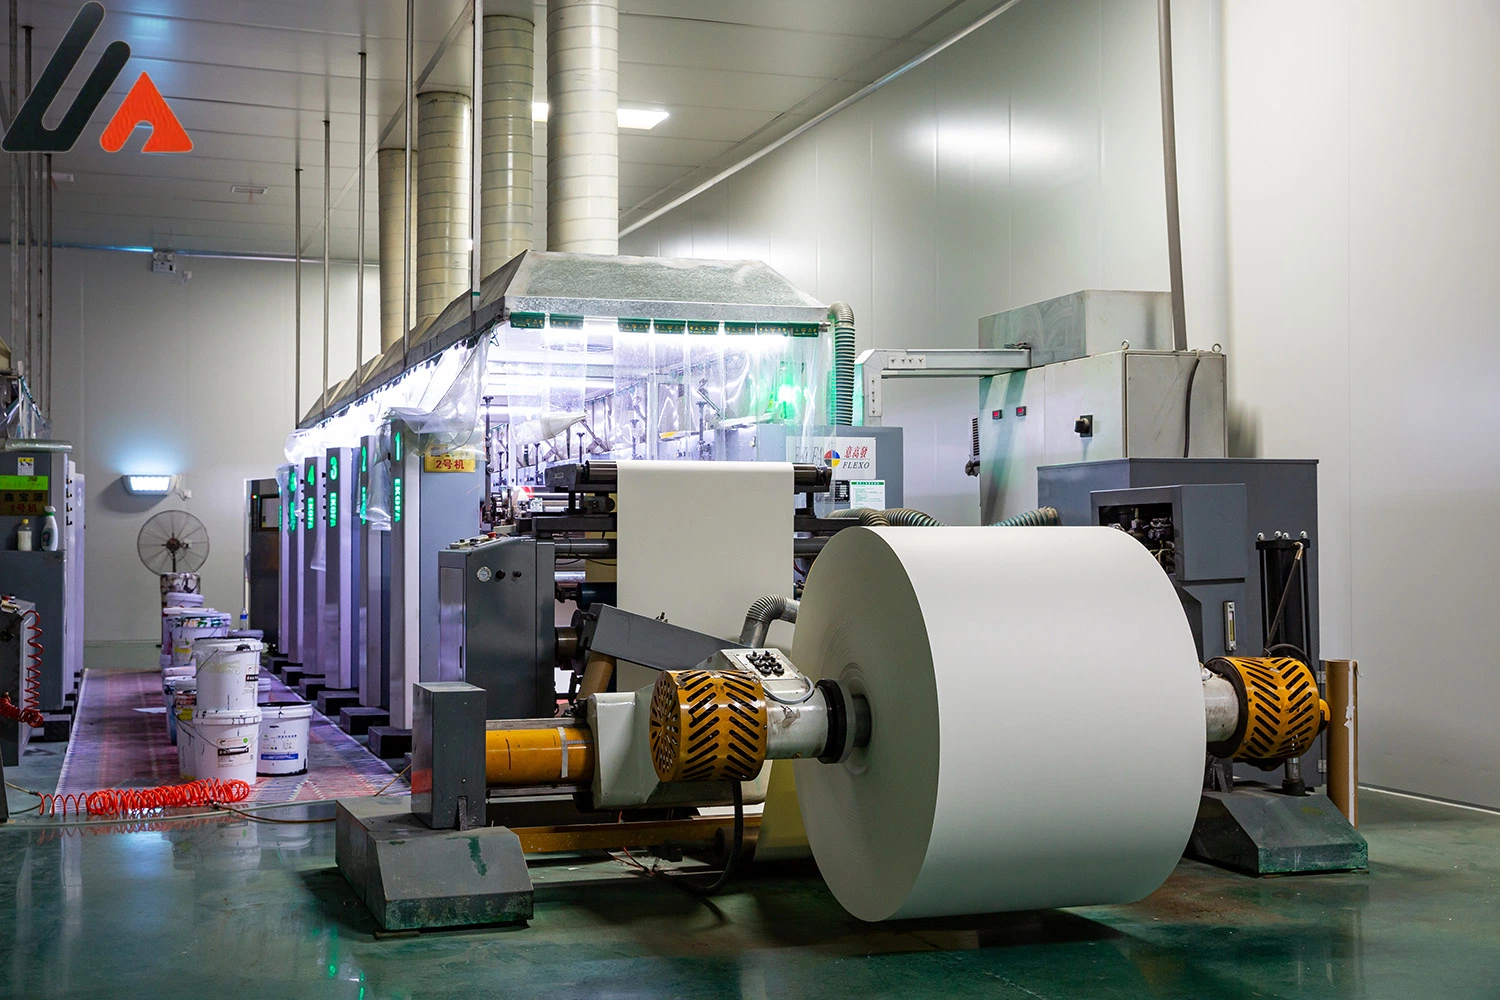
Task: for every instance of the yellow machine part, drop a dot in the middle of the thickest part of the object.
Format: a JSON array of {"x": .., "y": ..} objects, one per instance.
[
  {"x": 1280, "y": 711},
  {"x": 542, "y": 755},
  {"x": 708, "y": 725}
]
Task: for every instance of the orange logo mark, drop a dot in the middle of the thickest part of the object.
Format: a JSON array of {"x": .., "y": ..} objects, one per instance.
[{"x": 144, "y": 106}]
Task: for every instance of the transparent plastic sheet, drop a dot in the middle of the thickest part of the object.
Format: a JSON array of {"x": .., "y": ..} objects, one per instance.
[
  {"x": 441, "y": 399},
  {"x": 579, "y": 390},
  {"x": 378, "y": 505}
]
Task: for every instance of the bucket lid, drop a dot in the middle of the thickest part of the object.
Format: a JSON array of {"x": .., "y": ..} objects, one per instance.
[
  {"x": 285, "y": 710},
  {"x": 229, "y": 645},
  {"x": 228, "y": 716}
]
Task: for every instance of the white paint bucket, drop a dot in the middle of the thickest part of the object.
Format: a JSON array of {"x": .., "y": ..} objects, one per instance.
[
  {"x": 169, "y": 615},
  {"x": 190, "y": 627},
  {"x": 228, "y": 743},
  {"x": 181, "y": 697},
  {"x": 283, "y": 738},
  {"x": 228, "y": 672},
  {"x": 187, "y": 748}
]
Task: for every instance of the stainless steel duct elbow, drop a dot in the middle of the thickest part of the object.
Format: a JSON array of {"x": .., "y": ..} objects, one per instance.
[{"x": 765, "y": 610}]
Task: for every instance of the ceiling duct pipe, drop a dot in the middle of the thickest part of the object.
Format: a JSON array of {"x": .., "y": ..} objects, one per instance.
[
  {"x": 506, "y": 151},
  {"x": 444, "y": 163},
  {"x": 390, "y": 168},
  {"x": 583, "y": 146}
]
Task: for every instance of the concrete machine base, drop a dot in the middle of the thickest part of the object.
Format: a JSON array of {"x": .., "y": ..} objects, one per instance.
[
  {"x": 412, "y": 876},
  {"x": 1264, "y": 832}
]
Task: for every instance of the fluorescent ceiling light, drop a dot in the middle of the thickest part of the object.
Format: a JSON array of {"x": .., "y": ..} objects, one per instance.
[
  {"x": 148, "y": 485},
  {"x": 247, "y": 189},
  {"x": 644, "y": 119}
]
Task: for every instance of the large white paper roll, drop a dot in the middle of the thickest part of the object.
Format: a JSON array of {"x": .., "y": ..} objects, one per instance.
[{"x": 1037, "y": 732}]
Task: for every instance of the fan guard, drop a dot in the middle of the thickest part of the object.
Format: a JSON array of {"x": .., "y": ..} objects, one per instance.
[{"x": 173, "y": 541}]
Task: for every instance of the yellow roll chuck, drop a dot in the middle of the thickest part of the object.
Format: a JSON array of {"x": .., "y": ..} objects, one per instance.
[
  {"x": 1280, "y": 711},
  {"x": 708, "y": 725}
]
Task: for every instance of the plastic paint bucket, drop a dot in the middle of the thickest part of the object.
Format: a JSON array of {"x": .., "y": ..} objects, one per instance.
[
  {"x": 228, "y": 672},
  {"x": 191, "y": 627},
  {"x": 182, "y": 698},
  {"x": 283, "y": 738},
  {"x": 170, "y": 614},
  {"x": 228, "y": 743},
  {"x": 187, "y": 748}
]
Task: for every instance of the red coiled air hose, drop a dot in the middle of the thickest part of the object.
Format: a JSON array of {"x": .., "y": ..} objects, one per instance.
[
  {"x": 122, "y": 801},
  {"x": 29, "y": 711}
]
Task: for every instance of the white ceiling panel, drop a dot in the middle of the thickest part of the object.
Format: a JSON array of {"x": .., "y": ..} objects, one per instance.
[{"x": 252, "y": 81}]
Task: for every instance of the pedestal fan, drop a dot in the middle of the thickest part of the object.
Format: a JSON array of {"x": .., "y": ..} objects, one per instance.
[{"x": 173, "y": 542}]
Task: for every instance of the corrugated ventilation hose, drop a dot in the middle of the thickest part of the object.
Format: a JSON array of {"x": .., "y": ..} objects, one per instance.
[
  {"x": 905, "y": 517},
  {"x": 843, "y": 363},
  {"x": 1042, "y": 517},
  {"x": 866, "y": 516}
]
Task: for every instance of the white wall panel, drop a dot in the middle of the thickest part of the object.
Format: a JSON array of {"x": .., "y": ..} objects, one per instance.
[
  {"x": 1424, "y": 250},
  {"x": 1023, "y": 162},
  {"x": 155, "y": 375},
  {"x": 1363, "y": 222}
]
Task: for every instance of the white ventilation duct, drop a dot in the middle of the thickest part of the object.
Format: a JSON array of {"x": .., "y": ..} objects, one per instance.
[
  {"x": 390, "y": 168},
  {"x": 583, "y": 147},
  {"x": 506, "y": 151},
  {"x": 444, "y": 165}
]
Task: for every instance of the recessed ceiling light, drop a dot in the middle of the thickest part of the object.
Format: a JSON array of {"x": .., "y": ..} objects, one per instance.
[
  {"x": 644, "y": 119},
  {"x": 62, "y": 178},
  {"x": 641, "y": 118},
  {"x": 248, "y": 189}
]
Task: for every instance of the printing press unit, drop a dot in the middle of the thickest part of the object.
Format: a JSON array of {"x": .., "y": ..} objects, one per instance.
[
  {"x": 728, "y": 364},
  {"x": 509, "y": 765}
]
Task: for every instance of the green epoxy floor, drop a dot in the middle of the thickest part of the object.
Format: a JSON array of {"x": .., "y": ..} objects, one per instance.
[
  {"x": 249, "y": 909},
  {"x": 237, "y": 908}
]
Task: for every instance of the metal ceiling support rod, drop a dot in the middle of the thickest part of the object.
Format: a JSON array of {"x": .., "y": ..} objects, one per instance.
[
  {"x": 583, "y": 141},
  {"x": 15, "y": 208},
  {"x": 1169, "y": 165},
  {"x": 297, "y": 298},
  {"x": 476, "y": 148},
  {"x": 406, "y": 274},
  {"x": 23, "y": 163},
  {"x": 359, "y": 252},
  {"x": 47, "y": 290},
  {"x": 327, "y": 193},
  {"x": 506, "y": 166}
]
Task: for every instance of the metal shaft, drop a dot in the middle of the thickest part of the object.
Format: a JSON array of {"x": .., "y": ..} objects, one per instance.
[
  {"x": 359, "y": 253},
  {"x": 1221, "y": 708},
  {"x": 1169, "y": 165}
]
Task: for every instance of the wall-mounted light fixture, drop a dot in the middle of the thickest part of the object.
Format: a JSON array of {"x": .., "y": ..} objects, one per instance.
[{"x": 148, "y": 486}]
